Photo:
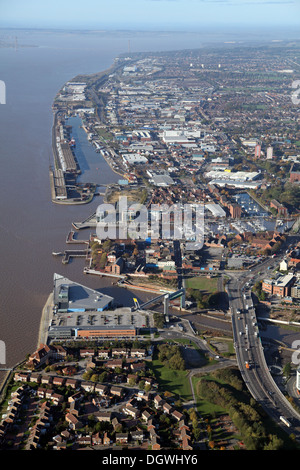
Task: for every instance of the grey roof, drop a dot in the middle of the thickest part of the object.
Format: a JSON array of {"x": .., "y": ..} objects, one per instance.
[
  {"x": 80, "y": 298},
  {"x": 162, "y": 180}
]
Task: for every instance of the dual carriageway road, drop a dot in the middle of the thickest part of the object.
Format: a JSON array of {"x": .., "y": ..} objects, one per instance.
[{"x": 249, "y": 350}]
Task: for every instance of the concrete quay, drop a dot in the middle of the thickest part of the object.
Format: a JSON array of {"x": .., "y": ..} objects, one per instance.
[{"x": 46, "y": 319}]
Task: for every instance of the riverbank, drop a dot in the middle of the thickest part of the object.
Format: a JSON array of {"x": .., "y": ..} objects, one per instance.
[{"x": 45, "y": 320}]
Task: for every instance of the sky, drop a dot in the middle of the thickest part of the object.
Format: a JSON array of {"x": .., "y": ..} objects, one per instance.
[{"x": 169, "y": 15}]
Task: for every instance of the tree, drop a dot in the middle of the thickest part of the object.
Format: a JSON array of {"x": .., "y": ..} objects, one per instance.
[
  {"x": 275, "y": 443},
  {"x": 211, "y": 444},
  {"x": 141, "y": 384},
  {"x": 287, "y": 370},
  {"x": 102, "y": 377},
  {"x": 197, "y": 433}
]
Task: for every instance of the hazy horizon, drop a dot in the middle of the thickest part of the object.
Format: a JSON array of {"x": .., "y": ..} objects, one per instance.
[{"x": 166, "y": 15}]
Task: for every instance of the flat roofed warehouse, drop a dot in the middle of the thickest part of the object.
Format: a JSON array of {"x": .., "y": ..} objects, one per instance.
[
  {"x": 59, "y": 185},
  {"x": 65, "y": 332},
  {"x": 72, "y": 297},
  {"x": 107, "y": 332},
  {"x": 68, "y": 157},
  {"x": 216, "y": 210}
]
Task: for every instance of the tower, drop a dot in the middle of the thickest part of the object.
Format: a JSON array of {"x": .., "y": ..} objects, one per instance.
[
  {"x": 257, "y": 151},
  {"x": 269, "y": 153}
]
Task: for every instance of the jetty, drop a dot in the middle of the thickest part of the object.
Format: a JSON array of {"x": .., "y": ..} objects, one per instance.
[
  {"x": 72, "y": 240},
  {"x": 90, "y": 222},
  {"x": 103, "y": 273},
  {"x": 68, "y": 254}
]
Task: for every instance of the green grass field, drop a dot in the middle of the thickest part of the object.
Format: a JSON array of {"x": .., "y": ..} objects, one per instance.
[
  {"x": 205, "y": 408},
  {"x": 173, "y": 381},
  {"x": 208, "y": 285}
]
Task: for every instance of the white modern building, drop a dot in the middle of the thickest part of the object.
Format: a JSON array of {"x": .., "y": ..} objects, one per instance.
[
  {"x": 216, "y": 210},
  {"x": 134, "y": 158}
]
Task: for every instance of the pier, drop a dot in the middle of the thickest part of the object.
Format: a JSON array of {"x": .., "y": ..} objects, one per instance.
[
  {"x": 68, "y": 254},
  {"x": 71, "y": 240},
  {"x": 100, "y": 273},
  {"x": 91, "y": 221}
]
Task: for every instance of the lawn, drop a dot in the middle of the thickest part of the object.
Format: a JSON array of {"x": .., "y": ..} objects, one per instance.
[
  {"x": 205, "y": 408},
  {"x": 173, "y": 381},
  {"x": 208, "y": 285}
]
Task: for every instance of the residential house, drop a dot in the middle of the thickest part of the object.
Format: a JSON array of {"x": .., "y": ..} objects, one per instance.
[
  {"x": 117, "y": 391},
  {"x": 59, "y": 381},
  {"x": 116, "y": 423},
  {"x": 22, "y": 376},
  {"x": 103, "y": 354},
  {"x": 87, "y": 386},
  {"x": 35, "y": 377},
  {"x": 48, "y": 393},
  {"x": 117, "y": 267},
  {"x": 58, "y": 351},
  {"x": 139, "y": 353},
  {"x": 101, "y": 389},
  {"x": 132, "y": 377},
  {"x": 96, "y": 439},
  {"x": 41, "y": 392},
  {"x": 137, "y": 435},
  {"x": 57, "y": 398},
  {"x": 106, "y": 439},
  {"x": 154, "y": 442},
  {"x": 114, "y": 363},
  {"x": 40, "y": 356},
  {"x": 73, "y": 421},
  {"x": 158, "y": 402},
  {"x": 186, "y": 443},
  {"x": 86, "y": 353},
  {"x": 121, "y": 438},
  {"x": 137, "y": 366},
  {"x": 177, "y": 415},
  {"x": 120, "y": 352},
  {"x": 47, "y": 379},
  {"x": 167, "y": 408},
  {"x": 84, "y": 441},
  {"x": 103, "y": 416},
  {"x": 73, "y": 383},
  {"x": 77, "y": 397},
  {"x": 146, "y": 415},
  {"x": 131, "y": 410}
]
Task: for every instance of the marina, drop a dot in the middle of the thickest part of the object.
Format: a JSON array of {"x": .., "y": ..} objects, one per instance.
[{"x": 250, "y": 206}]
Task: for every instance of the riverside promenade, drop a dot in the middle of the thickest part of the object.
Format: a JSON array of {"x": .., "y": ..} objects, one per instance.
[{"x": 46, "y": 318}]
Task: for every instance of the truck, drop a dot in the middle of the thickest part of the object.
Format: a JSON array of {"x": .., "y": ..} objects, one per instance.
[
  {"x": 247, "y": 365},
  {"x": 285, "y": 421}
]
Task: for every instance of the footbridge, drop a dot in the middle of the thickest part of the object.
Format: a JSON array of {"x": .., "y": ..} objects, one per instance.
[{"x": 164, "y": 298}]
